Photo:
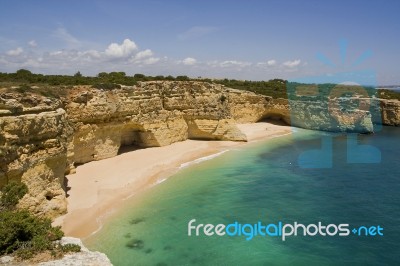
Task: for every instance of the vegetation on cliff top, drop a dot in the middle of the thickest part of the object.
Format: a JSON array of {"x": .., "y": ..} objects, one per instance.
[
  {"x": 388, "y": 94},
  {"x": 56, "y": 86},
  {"x": 24, "y": 234}
]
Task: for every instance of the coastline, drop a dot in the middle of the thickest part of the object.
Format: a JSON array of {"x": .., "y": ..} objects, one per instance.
[{"x": 97, "y": 187}]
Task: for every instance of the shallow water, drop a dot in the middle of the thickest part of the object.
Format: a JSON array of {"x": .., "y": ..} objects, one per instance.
[{"x": 265, "y": 182}]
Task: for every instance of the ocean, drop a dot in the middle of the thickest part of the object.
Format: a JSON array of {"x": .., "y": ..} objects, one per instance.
[{"x": 267, "y": 182}]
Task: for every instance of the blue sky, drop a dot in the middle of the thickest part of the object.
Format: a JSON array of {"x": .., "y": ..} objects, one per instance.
[{"x": 256, "y": 40}]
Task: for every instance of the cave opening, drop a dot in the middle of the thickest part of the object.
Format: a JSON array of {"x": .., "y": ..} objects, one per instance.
[
  {"x": 49, "y": 197},
  {"x": 131, "y": 140},
  {"x": 275, "y": 119}
]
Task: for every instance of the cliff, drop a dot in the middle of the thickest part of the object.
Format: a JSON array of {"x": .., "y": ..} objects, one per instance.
[
  {"x": 390, "y": 112},
  {"x": 150, "y": 114},
  {"x": 34, "y": 135},
  {"x": 42, "y": 139}
]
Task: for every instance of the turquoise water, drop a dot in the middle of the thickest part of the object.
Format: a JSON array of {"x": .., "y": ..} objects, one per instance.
[{"x": 264, "y": 182}]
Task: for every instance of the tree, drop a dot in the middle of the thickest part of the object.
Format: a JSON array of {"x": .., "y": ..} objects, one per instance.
[
  {"x": 24, "y": 75},
  {"x": 139, "y": 76},
  {"x": 102, "y": 75},
  {"x": 182, "y": 78},
  {"x": 78, "y": 75}
]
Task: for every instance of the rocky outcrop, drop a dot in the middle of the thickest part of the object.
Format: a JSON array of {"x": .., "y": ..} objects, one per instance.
[
  {"x": 247, "y": 107},
  {"x": 390, "y": 112},
  {"x": 83, "y": 258},
  {"x": 336, "y": 115},
  {"x": 34, "y": 134},
  {"x": 353, "y": 114}
]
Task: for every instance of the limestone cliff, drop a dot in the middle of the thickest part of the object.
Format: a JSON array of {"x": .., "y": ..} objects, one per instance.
[
  {"x": 150, "y": 114},
  {"x": 353, "y": 114},
  {"x": 390, "y": 112},
  {"x": 41, "y": 139},
  {"x": 33, "y": 143}
]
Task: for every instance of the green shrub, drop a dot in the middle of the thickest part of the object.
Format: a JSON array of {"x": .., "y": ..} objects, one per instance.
[
  {"x": 24, "y": 88},
  {"x": 388, "y": 94},
  {"x": 24, "y": 234},
  {"x": 106, "y": 86},
  {"x": 20, "y": 230},
  {"x": 71, "y": 248},
  {"x": 12, "y": 193}
]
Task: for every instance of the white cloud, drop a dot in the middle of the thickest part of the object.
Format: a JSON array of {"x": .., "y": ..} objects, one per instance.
[
  {"x": 15, "y": 52},
  {"x": 291, "y": 64},
  {"x": 92, "y": 53},
  {"x": 55, "y": 53},
  {"x": 126, "y": 56},
  {"x": 32, "y": 43},
  {"x": 63, "y": 34},
  {"x": 121, "y": 50},
  {"x": 189, "y": 61},
  {"x": 143, "y": 54},
  {"x": 230, "y": 63},
  {"x": 151, "y": 60},
  {"x": 196, "y": 32}
]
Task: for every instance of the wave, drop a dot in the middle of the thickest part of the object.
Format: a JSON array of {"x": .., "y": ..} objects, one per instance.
[
  {"x": 99, "y": 221},
  {"x": 159, "y": 181},
  {"x": 202, "y": 159}
]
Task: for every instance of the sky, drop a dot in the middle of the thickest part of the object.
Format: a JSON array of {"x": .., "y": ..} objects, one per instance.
[{"x": 253, "y": 40}]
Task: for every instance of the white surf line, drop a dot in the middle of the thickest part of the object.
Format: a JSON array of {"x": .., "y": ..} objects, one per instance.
[{"x": 202, "y": 159}]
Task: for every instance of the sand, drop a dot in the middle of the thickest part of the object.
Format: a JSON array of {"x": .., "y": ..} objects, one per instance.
[{"x": 98, "y": 187}]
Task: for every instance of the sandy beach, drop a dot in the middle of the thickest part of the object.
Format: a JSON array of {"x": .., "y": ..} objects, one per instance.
[{"x": 97, "y": 187}]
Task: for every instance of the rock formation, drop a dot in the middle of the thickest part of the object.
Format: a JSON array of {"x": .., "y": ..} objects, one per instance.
[
  {"x": 33, "y": 147},
  {"x": 390, "y": 112},
  {"x": 84, "y": 257},
  {"x": 41, "y": 139},
  {"x": 147, "y": 115}
]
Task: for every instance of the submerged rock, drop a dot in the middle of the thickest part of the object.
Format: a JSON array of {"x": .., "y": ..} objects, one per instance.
[{"x": 135, "y": 244}]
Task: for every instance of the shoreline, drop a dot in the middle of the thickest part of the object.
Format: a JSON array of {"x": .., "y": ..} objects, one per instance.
[{"x": 97, "y": 187}]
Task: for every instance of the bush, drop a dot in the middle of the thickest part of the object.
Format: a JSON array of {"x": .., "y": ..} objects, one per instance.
[
  {"x": 388, "y": 94},
  {"x": 22, "y": 233},
  {"x": 106, "y": 86},
  {"x": 24, "y": 88},
  {"x": 71, "y": 248},
  {"x": 20, "y": 230},
  {"x": 182, "y": 78},
  {"x": 222, "y": 99},
  {"x": 12, "y": 193}
]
